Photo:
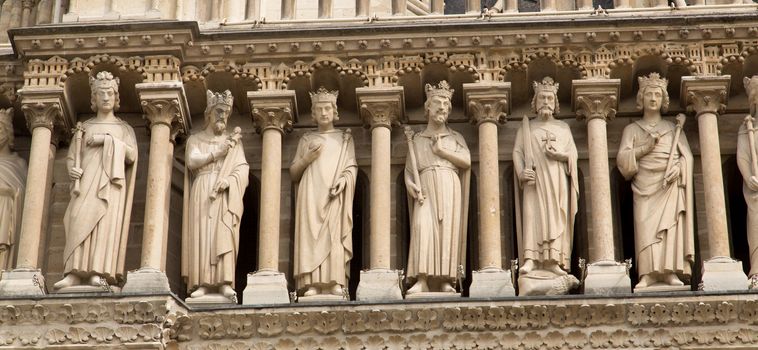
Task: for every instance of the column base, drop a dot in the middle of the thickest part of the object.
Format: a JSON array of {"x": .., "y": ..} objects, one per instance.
[
  {"x": 379, "y": 285},
  {"x": 146, "y": 280},
  {"x": 607, "y": 278},
  {"x": 723, "y": 274},
  {"x": 491, "y": 282},
  {"x": 22, "y": 282},
  {"x": 266, "y": 287}
]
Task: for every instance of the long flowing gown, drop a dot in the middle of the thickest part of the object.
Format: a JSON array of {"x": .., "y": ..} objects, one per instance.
[
  {"x": 12, "y": 182},
  {"x": 97, "y": 220},
  {"x": 744, "y": 161},
  {"x": 663, "y": 215},
  {"x": 210, "y": 230},
  {"x": 553, "y": 198},
  {"x": 323, "y": 225},
  {"x": 438, "y": 227}
]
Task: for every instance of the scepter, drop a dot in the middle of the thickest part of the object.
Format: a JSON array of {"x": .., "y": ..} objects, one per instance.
[
  {"x": 680, "y": 119},
  {"x": 226, "y": 166},
  {"x": 414, "y": 168},
  {"x": 751, "y": 140},
  {"x": 526, "y": 132},
  {"x": 78, "y": 134}
]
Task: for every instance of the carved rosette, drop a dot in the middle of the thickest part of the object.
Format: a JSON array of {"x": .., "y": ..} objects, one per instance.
[
  {"x": 381, "y": 106},
  {"x": 705, "y": 94},
  {"x": 595, "y": 98},
  {"x": 487, "y": 102}
]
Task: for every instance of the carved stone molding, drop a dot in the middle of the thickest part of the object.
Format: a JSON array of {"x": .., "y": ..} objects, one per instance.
[
  {"x": 595, "y": 98},
  {"x": 275, "y": 110},
  {"x": 487, "y": 102},
  {"x": 47, "y": 107},
  {"x": 705, "y": 94},
  {"x": 381, "y": 106},
  {"x": 165, "y": 103}
]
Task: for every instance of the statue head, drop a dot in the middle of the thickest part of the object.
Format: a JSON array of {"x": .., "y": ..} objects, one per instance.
[
  {"x": 751, "y": 88},
  {"x": 545, "y": 101},
  {"x": 217, "y": 110},
  {"x": 652, "y": 94},
  {"x": 104, "y": 87},
  {"x": 6, "y": 128},
  {"x": 437, "y": 107},
  {"x": 324, "y": 106}
]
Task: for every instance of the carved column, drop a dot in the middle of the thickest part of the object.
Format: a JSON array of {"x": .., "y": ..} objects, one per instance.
[
  {"x": 399, "y": 7},
  {"x": 596, "y": 101},
  {"x": 487, "y": 104},
  {"x": 380, "y": 108},
  {"x": 47, "y": 115},
  {"x": 26, "y": 13},
  {"x": 706, "y": 96},
  {"x": 167, "y": 113},
  {"x": 473, "y": 6},
  {"x": 288, "y": 9},
  {"x": 274, "y": 112},
  {"x": 437, "y": 7},
  {"x": 362, "y": 8}
]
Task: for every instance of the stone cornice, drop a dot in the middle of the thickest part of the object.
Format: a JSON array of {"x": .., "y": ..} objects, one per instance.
[
  {"x": 381, "y": 106},
  {"x": 595, "y": 98},
  {"x": 165, "y": 103},
  {"x": 275, "y": 110},
  {"x": 487, "y": 102},
  {"x": 705, "y": 94}
]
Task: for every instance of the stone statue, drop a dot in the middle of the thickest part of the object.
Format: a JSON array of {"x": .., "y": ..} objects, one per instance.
[
  {"x": 544, "y": 158},
  {"x": 437, "y": 173},
  {"x": 215, "y": 179},
  {"x": 101, "y": 162},
  {"x": 12, "y": 182},
  {"x": 747, "y": 161},
  {"x": 655, "y": 156},
  {"x": 324, "y": 170}
]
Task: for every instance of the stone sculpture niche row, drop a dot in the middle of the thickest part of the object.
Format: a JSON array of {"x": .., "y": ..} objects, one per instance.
[{"x": 654, "y": 155}]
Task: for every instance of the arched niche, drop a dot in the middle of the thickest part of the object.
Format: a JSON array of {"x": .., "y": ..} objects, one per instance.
[{"x": 80, "y": 94}]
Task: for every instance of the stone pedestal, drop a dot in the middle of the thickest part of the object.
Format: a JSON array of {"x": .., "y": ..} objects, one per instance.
[
  {"x": 379, "y": 285},
  {"x": 491, "y": 283},
  {"x": 723, "y": 274},
  {"x": 22, "y": 282},
  {"x": 211, "y": 299},
  {"x": 607, "y": 278},
  {"x": 146, "y": 280},
  {"x": 265, "y": 287}
]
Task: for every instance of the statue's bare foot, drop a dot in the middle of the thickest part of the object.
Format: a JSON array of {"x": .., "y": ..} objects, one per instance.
[
  {"x": 227, "y": 291},
  {"x": 311, "y": 291},
  {"x": 645, "y": 281},
  {"x": 528, "y": 267},
  {"x": 556, "y": 269},
  {"x": 419, "y": 286},
  {"x": 199, "y": 292},
  {"x": 446, "y": 287},
  {"x": 68, "y": 281},
  {"x": 96, "y": 281},
  {"x": 672, "y": 279},
  {"x": 337, "y": 290}
]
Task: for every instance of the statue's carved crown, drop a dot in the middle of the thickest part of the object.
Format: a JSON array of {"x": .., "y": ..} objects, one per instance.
[
  {"x": 324, "y": 95},
  {"x": 653, "y": 79},
  {"x": 104, "y": 80},
  {"x": 547, "y": 84},
  {"x": 216, "y": 98},
  {"x": 442, "y": 89}
]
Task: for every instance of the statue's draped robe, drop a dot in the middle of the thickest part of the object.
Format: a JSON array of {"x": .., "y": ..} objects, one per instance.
[
  {"x": 553, "y": 198},
  {"x": 663, "y": 215},
  {"x": 12, "y": 182},
  {"x": 744, "y": 162},
  {"x": 97, "y": 220},
  {"x": 438, "y": 227},
  {"x": 324, "y": 225},
  {"x": 210, "y": 228}
]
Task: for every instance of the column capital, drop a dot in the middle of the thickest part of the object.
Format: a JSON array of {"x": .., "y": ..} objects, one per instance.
[
  {"x": 595, "y": 98},
  {"x": 47, "y": 107},
  {"x": 705, "y": 94},
  {"x": 487, "y": 102},
  {"x": 275, "y": 109},
  {"x": 381, "y": 106},
  {"x": 165, "y": 103}
]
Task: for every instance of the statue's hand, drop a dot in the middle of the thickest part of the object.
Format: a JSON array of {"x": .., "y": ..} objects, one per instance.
[
  {"x": 221, "y": 185},
  {"x": 437, "y": 148},
  {"x": 75, "y": 173},
  {"x": 752, "y": 183},
  {"x": 528, "y": 175},
  {"x": 96, "y": 140},
  {"x": 673, "y": 174},
  {"x": 554, "y": 154},
  {"x": 339, "y": 187},
  {"x": 413, "y": 190},
  {"x": 220, "y": 153},
  {"x": 314, "y": 150}
]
